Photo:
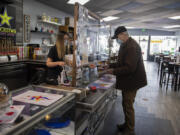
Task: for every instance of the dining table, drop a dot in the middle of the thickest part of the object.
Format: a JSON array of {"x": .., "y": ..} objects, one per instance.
[{"x": 176, "y": 67}]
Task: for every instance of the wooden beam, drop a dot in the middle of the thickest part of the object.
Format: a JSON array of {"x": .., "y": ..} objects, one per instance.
[
  {"x": 76, "y": 7},
  {"x": 94, "y": 15}
]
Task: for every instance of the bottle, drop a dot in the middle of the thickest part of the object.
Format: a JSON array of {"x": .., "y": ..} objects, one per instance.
[{"x": 59, "y": 79}]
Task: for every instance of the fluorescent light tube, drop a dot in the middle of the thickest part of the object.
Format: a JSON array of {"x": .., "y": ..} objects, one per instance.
[
  {"x": 171, "y": 26},
  {"x": 110, "y": 18},
  {"x": 174, "y": 17},
  {"x": 130, "y": 27},
  {"x": 82, "y": 2}
]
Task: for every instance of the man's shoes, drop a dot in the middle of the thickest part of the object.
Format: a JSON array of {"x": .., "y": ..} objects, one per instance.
[
  {"x": 121, "y": 127},
  {"x": 128, "y": 132}
]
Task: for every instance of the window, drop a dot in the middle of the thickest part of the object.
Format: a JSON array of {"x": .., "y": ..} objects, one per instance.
[{"x": 163, "y": 44}]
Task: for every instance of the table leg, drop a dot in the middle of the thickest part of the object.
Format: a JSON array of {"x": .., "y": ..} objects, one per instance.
[
  {"x": 160, "y": 79},
  {"x": 176, "y": 79}
]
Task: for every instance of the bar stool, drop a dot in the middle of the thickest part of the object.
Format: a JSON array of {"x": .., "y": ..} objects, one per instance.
[
  {"x": 164, "y": 71},
  {"x": 171, "y": 72},
  {"x": 159, "y": 61}
]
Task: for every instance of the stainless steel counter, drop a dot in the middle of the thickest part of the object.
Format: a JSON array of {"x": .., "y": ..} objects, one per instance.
[{"x": 92, "y": 111}]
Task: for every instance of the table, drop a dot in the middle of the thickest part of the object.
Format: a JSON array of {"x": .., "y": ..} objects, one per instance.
[{"x": 176, "y": 65}]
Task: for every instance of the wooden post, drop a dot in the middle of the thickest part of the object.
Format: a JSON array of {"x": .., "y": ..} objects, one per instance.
[
  {"x": 110, "y": 47},
  {"x": 74, "y": 46}
]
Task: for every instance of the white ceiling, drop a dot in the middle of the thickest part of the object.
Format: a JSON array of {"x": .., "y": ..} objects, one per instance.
[{"x": 150, "y": 14}]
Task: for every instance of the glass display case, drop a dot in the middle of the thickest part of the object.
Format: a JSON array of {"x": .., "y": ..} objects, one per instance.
[
  {"x": 92, "y": 110},
  {"x": 45, "y": 117}
]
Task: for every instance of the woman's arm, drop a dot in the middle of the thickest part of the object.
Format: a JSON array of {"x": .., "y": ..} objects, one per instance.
[{"x": 49, "y": 63}]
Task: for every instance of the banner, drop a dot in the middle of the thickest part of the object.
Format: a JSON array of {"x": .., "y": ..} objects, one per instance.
[
  {"x": 7, "y": 29},
  {"x": 7, "y": 20}
]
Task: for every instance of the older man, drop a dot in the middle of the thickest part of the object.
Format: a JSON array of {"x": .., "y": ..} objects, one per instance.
[{"x": 130, "y": 75}]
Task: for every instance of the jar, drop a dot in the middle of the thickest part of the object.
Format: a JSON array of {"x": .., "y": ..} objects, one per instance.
[{"x": 5, "y": 98}]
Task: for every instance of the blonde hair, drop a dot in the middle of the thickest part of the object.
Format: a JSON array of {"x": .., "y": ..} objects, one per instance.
[{"x": 60, "y": 46}]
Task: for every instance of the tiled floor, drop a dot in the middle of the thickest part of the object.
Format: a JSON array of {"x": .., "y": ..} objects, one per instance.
[{"x": 157, "y": 110}]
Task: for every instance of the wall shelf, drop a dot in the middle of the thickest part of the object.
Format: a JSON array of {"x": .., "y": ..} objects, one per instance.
[
  {"x": 49, "y": 22},
  {"x": 39, "y": 32}
]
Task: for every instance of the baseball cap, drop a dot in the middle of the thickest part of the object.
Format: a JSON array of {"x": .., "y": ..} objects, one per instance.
[{"x": 119, "y": 30}]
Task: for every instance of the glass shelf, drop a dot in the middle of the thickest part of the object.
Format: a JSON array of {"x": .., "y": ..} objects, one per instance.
[
  {"x": 49, "y": 22},
  {"x": 39, "y": 32}
]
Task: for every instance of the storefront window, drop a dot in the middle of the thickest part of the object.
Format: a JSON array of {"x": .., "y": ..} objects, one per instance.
[
  {"x": 115, "y": 47},
  {"x": 136, "y": 38},
  {"x": 158, "y": 44},
  {"x": 162, "y": 44},
  {"x": 143, "y": 42}
]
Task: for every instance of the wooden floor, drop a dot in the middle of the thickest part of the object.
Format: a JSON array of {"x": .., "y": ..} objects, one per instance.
[{"x": 157, "y": 110}]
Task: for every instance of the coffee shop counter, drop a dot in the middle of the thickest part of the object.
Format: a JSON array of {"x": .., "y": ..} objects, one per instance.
[{"x": 19, "y": 73}]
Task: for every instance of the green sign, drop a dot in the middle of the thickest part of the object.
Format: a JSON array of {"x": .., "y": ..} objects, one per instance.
[{"x": 143, "y": 30}]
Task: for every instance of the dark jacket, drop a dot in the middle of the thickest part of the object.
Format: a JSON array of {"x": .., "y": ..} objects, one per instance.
[{"x": 129, "y": 69}]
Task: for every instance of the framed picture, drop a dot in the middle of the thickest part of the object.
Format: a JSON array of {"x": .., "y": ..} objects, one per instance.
[{"x": 27, "y": 28}]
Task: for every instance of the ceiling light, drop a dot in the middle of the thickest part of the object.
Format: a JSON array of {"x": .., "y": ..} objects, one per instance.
[
  {"x": 110, "y": 18},
  {"x": 174, "y": 17},
  {"x": 82, "y": 2},
  {"x": 172, "y": 26},
  {"x": 99, "y": 12},
  {"x": 130, "y": 27},
  {"x": 105, "y": 26},
  {"x": 111, "y": 12}
]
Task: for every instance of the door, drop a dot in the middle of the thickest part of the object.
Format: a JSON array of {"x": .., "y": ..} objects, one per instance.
[{"x": 143, "y": 42}]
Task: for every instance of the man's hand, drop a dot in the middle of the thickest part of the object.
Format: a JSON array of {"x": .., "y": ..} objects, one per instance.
[{"x": 109, "y": 71}]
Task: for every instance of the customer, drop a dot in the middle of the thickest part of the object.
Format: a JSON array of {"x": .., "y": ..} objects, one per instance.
[
  {"x": 55, "y": 60},
  {"x": 130, "y": 76}
]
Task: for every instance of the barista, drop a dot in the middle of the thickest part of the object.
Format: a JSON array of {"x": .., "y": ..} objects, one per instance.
[{"x": 55, "y": 60}]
